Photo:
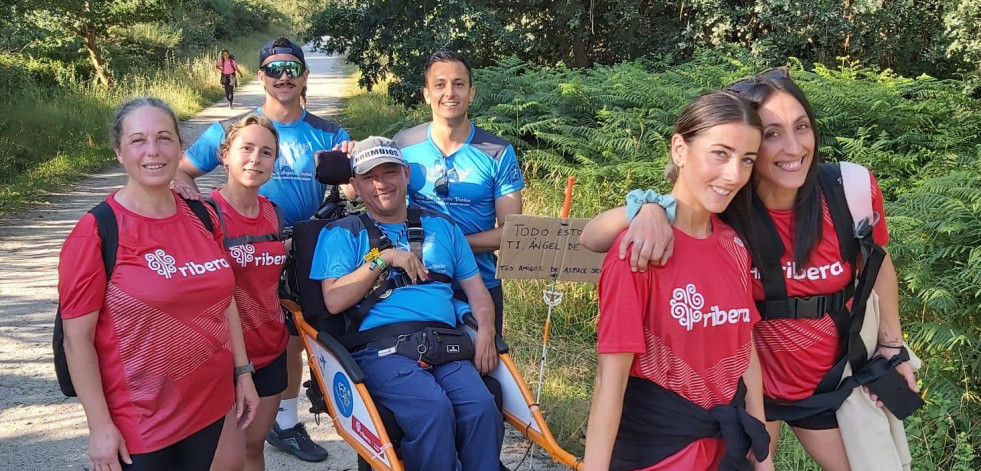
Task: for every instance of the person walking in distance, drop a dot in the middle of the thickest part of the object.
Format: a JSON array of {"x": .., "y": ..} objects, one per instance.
[
  {"x": 283, "y": 74},
  {"x": 228, "y": 67}
]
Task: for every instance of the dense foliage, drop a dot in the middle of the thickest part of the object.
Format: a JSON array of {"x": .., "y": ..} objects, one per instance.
[
  {"x": 104, "y": 39},
  {"x": 609, "y": 126},
  {"x": 912, "y": 37},
  {"x": 56, "y": 100}
]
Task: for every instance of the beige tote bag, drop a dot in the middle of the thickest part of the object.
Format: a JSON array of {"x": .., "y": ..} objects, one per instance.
[{"x": 874, "y": 438}]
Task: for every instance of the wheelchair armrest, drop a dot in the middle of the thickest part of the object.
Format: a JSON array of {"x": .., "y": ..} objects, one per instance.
[
  {"x": 342, "y": 355},
  {"x": 471, "y": 321}
]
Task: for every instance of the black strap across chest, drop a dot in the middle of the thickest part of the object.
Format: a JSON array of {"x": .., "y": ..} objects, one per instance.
[
  {"x": 250, "y": 238},
  {"x": 377, "y": 239},
  {"x": 777, "y": 304}
]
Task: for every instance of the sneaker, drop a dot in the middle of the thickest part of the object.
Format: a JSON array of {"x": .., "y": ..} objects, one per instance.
[{"x": 296, "y": 442}]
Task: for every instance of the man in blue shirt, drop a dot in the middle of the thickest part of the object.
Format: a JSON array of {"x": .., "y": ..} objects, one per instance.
[
  {"x": 283, "y": 74},
  {"x": 462, "y": 170},
  {"x": 445, "y": 410}
]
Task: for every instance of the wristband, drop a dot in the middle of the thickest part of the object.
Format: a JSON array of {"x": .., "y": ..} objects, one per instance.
[
  {"x": 637, "y": 198},
  {"x": 375, "y": 259},
  {"x": 244, "y": 369}
]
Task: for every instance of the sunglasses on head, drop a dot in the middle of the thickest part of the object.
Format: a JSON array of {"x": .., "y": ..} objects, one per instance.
[
  {"x": 275, "y": 69},
  {"x": 745, "y": 84}
]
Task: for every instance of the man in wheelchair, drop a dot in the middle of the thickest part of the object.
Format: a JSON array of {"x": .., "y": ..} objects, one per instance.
[{"x": 389, "y": 272}]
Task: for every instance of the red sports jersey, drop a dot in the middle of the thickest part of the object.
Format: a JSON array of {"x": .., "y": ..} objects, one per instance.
[
  {"x": 161, "y": 336},
  {"x": 796, "y": 354},
  {"x": 257, "y": 268},
  {"x": 689, "y": 324}
]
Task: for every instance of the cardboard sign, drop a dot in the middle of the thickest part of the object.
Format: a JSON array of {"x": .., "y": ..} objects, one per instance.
[{"x": 540, "y": 248}]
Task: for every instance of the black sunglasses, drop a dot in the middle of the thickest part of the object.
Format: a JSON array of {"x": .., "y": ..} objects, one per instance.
[
  {"x": 745, "y": 84},
  {"x": 442, "y": 184},
  {"x": 275, "y": 69}
]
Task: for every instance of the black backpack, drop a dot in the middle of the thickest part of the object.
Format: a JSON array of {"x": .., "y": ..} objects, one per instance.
[{"x": 105, "y": 220}]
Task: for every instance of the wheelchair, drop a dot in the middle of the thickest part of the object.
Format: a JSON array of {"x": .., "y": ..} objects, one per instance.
[{"x": 368, "y": 428}]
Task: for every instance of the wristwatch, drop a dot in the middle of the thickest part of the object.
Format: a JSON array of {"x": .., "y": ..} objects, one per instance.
[{"x": 246, "y": 368}]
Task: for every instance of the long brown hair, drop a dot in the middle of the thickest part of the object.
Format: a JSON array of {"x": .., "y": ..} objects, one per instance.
[{"x": 716, "y": 109}]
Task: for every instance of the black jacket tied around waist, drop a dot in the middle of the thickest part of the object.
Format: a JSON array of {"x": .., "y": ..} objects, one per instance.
[{"x": 657, "y": 423}]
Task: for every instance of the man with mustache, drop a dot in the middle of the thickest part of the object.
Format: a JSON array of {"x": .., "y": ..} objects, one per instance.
[{"x": 283, "y": 73}]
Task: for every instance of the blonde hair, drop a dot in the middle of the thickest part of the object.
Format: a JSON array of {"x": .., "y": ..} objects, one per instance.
[{"x": 248, "y": 120}]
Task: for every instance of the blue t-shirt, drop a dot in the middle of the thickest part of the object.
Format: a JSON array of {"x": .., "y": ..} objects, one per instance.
[
  {"x": 293, "y": 185},
  {"x": 343, "y": 244},
  {"x": 482, "y": 170}
]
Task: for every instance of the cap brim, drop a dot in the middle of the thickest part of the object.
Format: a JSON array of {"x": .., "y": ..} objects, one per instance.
[{"x": 366, "y": 167}]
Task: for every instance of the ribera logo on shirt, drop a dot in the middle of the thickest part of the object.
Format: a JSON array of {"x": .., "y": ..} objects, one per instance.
[
  {"x": 687, "y": 304},
  {"x": 822, "y": 272},
  {"x": 245, "y": 255},
  {"x": 166, "y": 265}
]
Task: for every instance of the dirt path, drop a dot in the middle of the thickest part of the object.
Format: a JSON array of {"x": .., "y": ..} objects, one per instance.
[{"x": 40, "y": 429}]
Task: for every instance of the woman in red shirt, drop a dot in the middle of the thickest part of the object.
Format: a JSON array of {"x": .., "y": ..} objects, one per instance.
[
  {"x": 255, "y": 249},
  {"x": 795, "y": 354},
  {"x": 155, "y": 351},
  {"x": 678, "y": 381}
]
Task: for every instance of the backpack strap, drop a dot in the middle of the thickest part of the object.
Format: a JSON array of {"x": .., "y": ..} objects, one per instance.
[
  {"x": 857, "y": 187},
  {"x": 251, "y": 238},
  {"x": 105, "y": 220},
  {"x": 279, "y": 219},
  {"x": 775, "y": 304},
  {"x": 416, "y": 234},
  {"x": 376, "y": 238},
  {"x": 829, "y": 177},
  {"x": 202, "y": 213}
]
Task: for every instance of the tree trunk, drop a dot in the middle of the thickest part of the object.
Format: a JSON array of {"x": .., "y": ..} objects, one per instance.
[
  {"x": 580, "y": 58},
  {"x": 95, "y": 56}
]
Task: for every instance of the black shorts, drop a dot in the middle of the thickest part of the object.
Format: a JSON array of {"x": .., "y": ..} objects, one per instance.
[
  {"x": 290, "y": 323},
  {"x": 270, "y": 380},
  {"x": 497, "y": 296},
  {"x": 826, "y": 420},
  {"x": 194, "y": 453}
]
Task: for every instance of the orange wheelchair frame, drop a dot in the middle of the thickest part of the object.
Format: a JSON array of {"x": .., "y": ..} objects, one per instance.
[{"x": 358, "y": 422}]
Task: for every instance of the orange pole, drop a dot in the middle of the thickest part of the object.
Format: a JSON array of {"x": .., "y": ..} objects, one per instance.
[{"x": 568, "y": 197}]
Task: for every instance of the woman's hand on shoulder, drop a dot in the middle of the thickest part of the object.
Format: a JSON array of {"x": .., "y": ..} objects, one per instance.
[
  {"x": 186, "y": 191},
  {"x": 107, "y": 448},
  {"x": 649, "y": 238}
]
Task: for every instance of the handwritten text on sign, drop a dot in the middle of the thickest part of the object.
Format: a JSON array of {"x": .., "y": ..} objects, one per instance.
[{"x": 537, "y": 247}]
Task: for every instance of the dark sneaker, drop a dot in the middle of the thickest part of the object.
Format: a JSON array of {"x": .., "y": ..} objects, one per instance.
[{"x": 296, "y": 442}]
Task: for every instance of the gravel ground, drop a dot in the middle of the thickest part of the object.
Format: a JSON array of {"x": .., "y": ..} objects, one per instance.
[{"x": 40, "y": 429}]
